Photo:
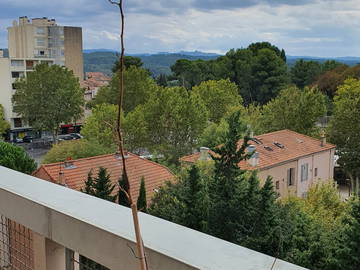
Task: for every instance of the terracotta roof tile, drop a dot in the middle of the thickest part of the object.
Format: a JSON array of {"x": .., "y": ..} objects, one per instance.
[
  {"x": 155, "y": 174},
  {"x": 296, "y": 145}
]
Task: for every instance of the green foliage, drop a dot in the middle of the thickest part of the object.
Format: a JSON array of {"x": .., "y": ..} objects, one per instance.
[
  {"x": 15, "y": 157},
  {"x": 102, "y": 186},
  {"x": 349, "y": 250},
  {"x": 214, "y": 134},
  {"x": 4, "y": 125},
  {"x": 344, "y": 129},
  {"x": 100, "y": 126},
  {"x": 141, "y": 201},
  {"x": 128, "y": 62},
  {"x": 138, "y": 87},
  {"x": 174, "y": 119},
  {"x": 75, "y": 149},
  {"x": 136, "y": 130},
  {"x": 49, "y": 96},
  {"x": 304, "y": 73},
  {"x": 219, "y": 97},
  {"x": 123, "y": 191},
  {"x": 186, "y": 200},
  {"x": 294, "y": 109},
  {"x": 89, "y": 184}
]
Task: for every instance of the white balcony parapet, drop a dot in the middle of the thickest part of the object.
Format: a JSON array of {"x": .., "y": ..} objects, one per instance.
[{"x": 104, "y": 232}]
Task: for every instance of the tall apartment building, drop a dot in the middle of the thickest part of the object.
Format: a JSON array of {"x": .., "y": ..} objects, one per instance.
[{"x": 31, "y": 42}]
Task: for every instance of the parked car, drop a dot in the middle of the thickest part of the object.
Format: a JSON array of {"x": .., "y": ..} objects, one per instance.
[
  {"x": 27, "y": 139},
  {"x": 76, "y": 136},
  {"x": 17, "y": 140},
  {"x": 66, "y": 137}
]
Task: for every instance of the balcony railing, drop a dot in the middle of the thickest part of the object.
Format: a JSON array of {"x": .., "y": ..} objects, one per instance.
[{"x": 58, "y": 224}]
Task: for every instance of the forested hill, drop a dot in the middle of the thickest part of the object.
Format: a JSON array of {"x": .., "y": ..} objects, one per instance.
[
  {"x": 160, "y": 63},
  {"x": 156, "y": 63}
]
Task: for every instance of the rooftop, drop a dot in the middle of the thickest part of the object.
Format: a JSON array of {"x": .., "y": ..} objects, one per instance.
[
  {"x": 75, "y": 175},
  {"x": 103, "y": 231},
  {"x": 276, "y": 148}
]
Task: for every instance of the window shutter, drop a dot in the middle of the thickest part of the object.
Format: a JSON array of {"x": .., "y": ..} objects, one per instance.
[{"x": 288, "y": 176}]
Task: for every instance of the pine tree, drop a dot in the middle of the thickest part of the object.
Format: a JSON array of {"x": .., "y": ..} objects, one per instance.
[
  {"x": 123, "y": 189},
  {"x": 89, "y": 184},
  {"x": 141, "y": 201},
  {"x": 102, "y": 186},
  {"x": 228, "y": 185}
]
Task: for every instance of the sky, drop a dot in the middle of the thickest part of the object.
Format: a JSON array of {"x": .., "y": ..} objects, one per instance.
[{"x": 324, "y": 28}]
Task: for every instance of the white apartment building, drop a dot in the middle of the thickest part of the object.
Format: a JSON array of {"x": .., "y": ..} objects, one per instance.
[{"x": 31, "y": 42}]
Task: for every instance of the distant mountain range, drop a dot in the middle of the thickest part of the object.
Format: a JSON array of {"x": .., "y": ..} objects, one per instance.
[{"x": 103, "y": 59}]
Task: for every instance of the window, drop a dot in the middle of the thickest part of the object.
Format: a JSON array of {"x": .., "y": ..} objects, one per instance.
[
  {"x": 17, "y": 63},
  {"x": 15, "y": 74},
  {"x": 62, "y": 53},
  {"x": 304, "y": 172},
  {"x": 17, "y": 122},
  {"x": 291, "y": 176},
  {"x": 40, "y": 30},
  {"x": 316, "y": 172},
  {"x": 40, "y": 42},
  {"x": 41, "y": 52},
  {"x": 277, "y": 184}
]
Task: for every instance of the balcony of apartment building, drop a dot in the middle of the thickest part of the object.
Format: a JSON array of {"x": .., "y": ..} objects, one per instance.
[{"x": 47, "y": 226}]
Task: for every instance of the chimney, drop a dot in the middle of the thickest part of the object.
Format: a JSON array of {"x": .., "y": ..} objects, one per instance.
[
  {"x": 204, "y": 154},
  {"x": 61, "y": 180},
  {"x": 322, "y": 138},
  {"x": 68, "y": 163},
  {"x": 254, "y": 160},
  {"x": 251, "y": 149}
]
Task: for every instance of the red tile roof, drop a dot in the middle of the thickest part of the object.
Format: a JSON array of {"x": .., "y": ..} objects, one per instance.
[
  {"x": 154, "y": 174},
  {"x": 296, "y": 145}
]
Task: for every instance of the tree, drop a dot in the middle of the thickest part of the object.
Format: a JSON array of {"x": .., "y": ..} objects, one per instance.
[
  {"x": 269, "y": 75},
  {"x": 49, "y": 96},
  {"x": 349, "y": 250},
  {"x": 100, "y": 126},
  {"x": 89, "y": 184},
  {"x": 75, "y": 149},
  {"x": 219, "y": 97},
  {"x": 294, "y": 109},
  {"x": 4, "y": 125},
  {"x": 344, "y": 130},
  {"x": 15, "y": 157},
  {"x": 128, "y": 62},
  {"x": 123, "y": 191},
  {"x": 304, "y": 73},
  {"x": 256, "y": 47},
  {"x": 162, "y": 80},
  {"x": 102, "y": 186},
  {"x": 138, "y": 87},
  {"x": 214, "y": 134},
  {"x": 141, "y": 201}
]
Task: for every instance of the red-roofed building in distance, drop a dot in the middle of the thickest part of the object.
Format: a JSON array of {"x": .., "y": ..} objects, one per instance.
[
  {"x": 293, "y": 160},
  {"x": 73, "y": 173},
  {"x": 92, "y": 83}
]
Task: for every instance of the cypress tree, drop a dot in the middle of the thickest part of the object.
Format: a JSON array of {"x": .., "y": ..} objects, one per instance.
[
  {"x": 89, "y": 184},
  {"x": 123, "y": 189},
  {"x": 228, "y": 184},
  {"x": 141, "y": 201},
  {"x": 103, "y": 187}
]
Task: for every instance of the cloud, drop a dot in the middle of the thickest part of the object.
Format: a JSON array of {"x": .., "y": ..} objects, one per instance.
[{"x": 301, "y": 27}]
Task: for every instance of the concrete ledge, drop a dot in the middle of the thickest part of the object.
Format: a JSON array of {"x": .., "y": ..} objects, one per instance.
[{"x": 104, "y": 232}]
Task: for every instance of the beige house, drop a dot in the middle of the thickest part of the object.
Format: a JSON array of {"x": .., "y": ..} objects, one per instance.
[
  {"x": 293, "y": 160},
  {"x": 31, "y": 42}
]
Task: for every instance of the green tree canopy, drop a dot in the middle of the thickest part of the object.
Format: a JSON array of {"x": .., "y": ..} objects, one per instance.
[
  {"x": 138, "y": 87},
  {"x": 75, "y": 149},
  {"x": 100, "y": 126},
  {"x": 219, "y": 97},
  {"x": 49, "y": 96},
  {"x": 304, "y": 73},
  {"x": 128, "y": 62},
  {"x": 15, "y": 157},
  {"x": 294, "y": 109},
  {"x": 4, "y": 125},
  {"x": 141, "y": 201},
  {"x": 344, "y": 129}
]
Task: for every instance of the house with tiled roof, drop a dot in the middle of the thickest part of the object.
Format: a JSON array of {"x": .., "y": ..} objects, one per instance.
[
  {"x": 73, "y": 173},
  {"x": 293, "y": 160}
]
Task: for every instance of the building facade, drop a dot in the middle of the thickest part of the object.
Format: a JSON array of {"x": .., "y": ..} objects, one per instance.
[
  {"x": 294, "y": 161},
  {"x": 31, "y": 42}
]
